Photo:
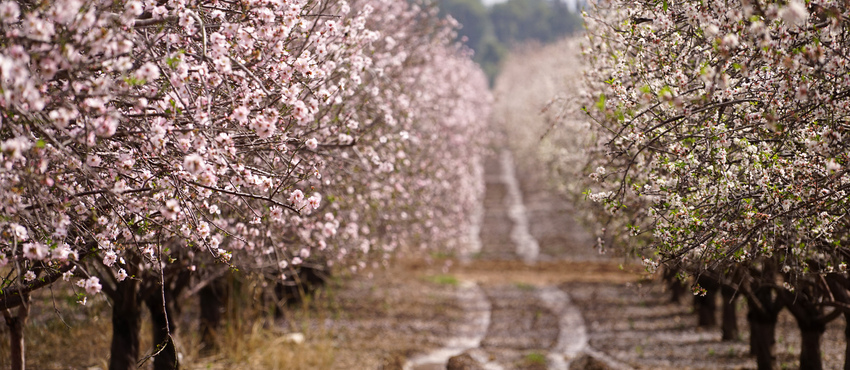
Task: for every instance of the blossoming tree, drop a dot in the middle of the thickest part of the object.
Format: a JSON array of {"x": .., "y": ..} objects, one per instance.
[
  {"x": 722, "y": 131},
  {"x": 261, "y": 135}
]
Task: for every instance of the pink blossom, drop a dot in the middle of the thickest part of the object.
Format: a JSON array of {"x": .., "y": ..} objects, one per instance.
[
  {"x": 794, "y": 13},
  {"x": 9, "y": 11},
  {"x": 147, "y": 72},
  {"x": 62, "y": 253},
  {"x": 194, "y": 164},
  {"x": 105, "y": 126},
  {"x": 170, "y": 209},
  {"x": 19, "y": 231},
  {"x": 109, "y": 258},
  {"x": 92, "y": 285},
  {"x": 315, "y": 201},
  {"x": 312, "y": 143},
  {"x": 35, "y": 251},
  {"x": 240, "y": 114},
  {"x": 296, "y": 197}
]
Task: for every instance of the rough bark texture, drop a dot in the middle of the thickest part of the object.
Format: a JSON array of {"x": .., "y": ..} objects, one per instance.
[
  {"x": 126, "y": 324},
  {"x": 729, "y": 326},
  {"x": 762, "y": 339},
  {"x": 812, "y": 317}
]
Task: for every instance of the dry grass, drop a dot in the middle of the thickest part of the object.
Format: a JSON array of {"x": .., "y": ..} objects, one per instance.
[
  {"x": 373, "y": 320},
  {"x": 369, "y": 321},
  {"x": 266, "y": 348},
  {"x": 79, "y": 338}
]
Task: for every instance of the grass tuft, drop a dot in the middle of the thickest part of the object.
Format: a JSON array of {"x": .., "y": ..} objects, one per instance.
[{"x": 443, "y": 279}]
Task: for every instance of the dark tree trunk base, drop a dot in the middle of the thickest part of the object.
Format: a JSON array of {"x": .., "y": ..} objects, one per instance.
[
  {"x": 162, "y": 325},
  {"x": 126, "y": 324},
  {"x": 810, "y": 356},
  {"x": 213, "y": 298},
  {"x": 677, "y": 289},
  {"x": 16, "y": 323},
  {"x": 706, "y": 307},
  {"x": 729, "y": 326},
  {"x": 762, "y": 334}
]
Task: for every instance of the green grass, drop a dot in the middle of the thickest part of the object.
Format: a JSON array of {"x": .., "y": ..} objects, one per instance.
[
  {"x": 441, "y": 255},
  {"x": 443, "y": 279},
  {"x": 535, "y": 358},
  {"x": 524, "y": 286}
]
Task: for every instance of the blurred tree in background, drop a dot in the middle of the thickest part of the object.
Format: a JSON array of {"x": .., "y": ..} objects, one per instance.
[{"x": 492, "y": 31}]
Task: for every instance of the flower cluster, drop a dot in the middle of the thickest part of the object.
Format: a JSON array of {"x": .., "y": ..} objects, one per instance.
[
  {"x": 262, "y": 134},
  {"x": 723, "y": 127}
]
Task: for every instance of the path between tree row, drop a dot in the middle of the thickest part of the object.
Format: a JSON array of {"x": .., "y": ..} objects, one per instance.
[
  {"x": 534, "y": 294},
  {"x": 524, "y": 320}
]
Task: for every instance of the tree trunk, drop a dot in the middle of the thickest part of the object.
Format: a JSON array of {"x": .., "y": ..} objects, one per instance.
[
  {"x": 162, "y": 328},
  {"x": 125, "y": 326},
  {"x": 762, "y": 334},
  {"x": 706, "y": 307},
  {"x": 677, "y": 289},
  {"x": 810, "y": 358},
  {"x": 811, "y": 319},
  {"x": 213, "y": 298},
  {"x": 16, "y": 326},
  {"x": 729, "y": 326}
]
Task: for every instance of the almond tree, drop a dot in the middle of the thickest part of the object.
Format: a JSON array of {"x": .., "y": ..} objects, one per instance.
[
  {"x": 723, "y": 127},
  {"x": 137, "y": 137}
]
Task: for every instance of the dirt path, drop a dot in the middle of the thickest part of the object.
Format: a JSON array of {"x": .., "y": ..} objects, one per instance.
[
  {"x": 531, "y": 322},
  {"x": 556, "y": 305}
]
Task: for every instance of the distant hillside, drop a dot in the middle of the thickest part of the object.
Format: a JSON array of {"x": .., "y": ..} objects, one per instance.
[{"x": 492, "y": 31}]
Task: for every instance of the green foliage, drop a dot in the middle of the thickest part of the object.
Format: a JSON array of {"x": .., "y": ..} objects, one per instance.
[
  {"x": 535, "y": 358},
  {"x": 490, "y": 32},
  {"x": 541, "y": 20},
  {"x": 444, "y": 279}
]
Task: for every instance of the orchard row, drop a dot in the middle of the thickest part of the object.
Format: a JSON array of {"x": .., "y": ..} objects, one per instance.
[{"x": 142, "y": 140}]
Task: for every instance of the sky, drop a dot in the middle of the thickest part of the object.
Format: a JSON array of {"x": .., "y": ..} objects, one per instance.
[{"x": 570, "y": 3}]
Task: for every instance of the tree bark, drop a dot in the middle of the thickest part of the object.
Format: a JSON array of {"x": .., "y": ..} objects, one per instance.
[
  {"x": 16, "y": 326},
  {"x": 810, "y": 357},
  {"x": 811, "y": 319},
  {"x": 706, "y": 307},
  {"x": 677, "y": 289},
  {"x": 213, "y": 298},
  {"x": 729, "y": 326},
  {"x": 126, "y": 323},
  {"x": 162, "y": 329},
  {"x": 762, "y": 330}
]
